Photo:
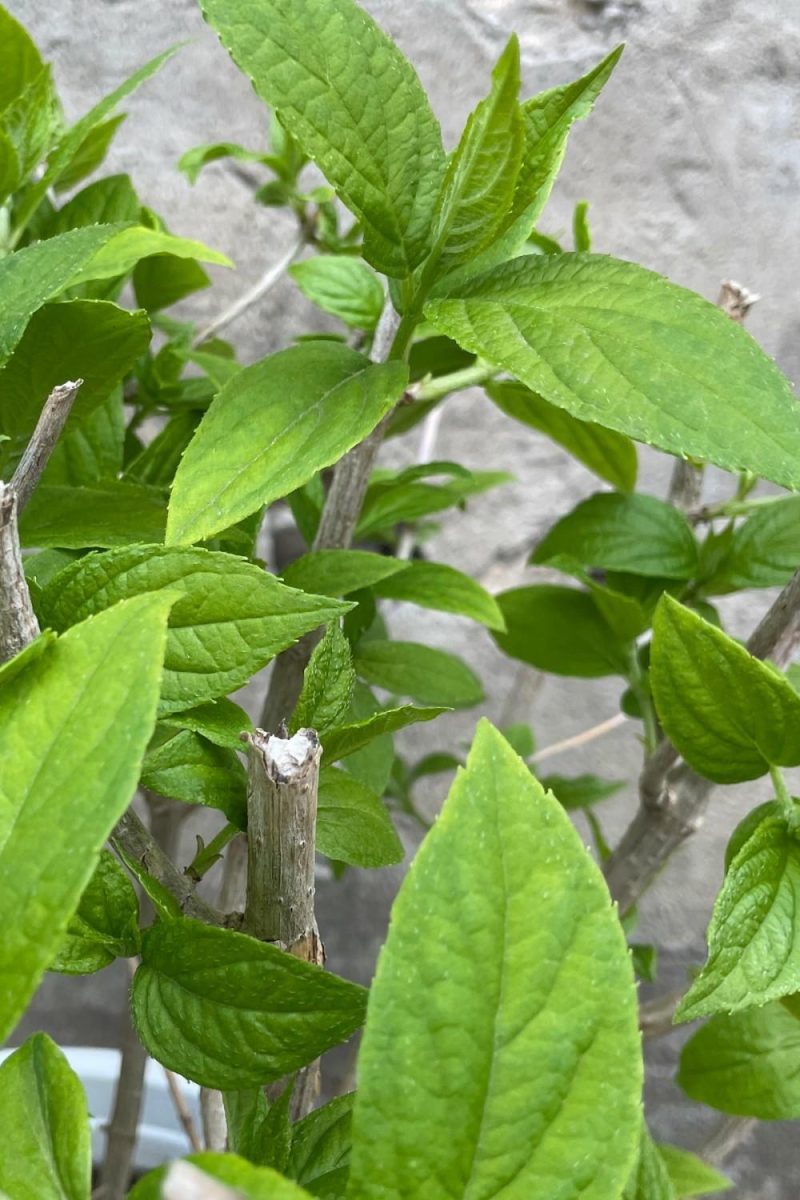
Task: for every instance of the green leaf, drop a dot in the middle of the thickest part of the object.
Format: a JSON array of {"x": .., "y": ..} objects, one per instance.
[
  {"x": 327, "y": 684},
  {"x": 20, "y": 662},
  {"x": 650, "y": 1178},
  {"x": 191, "y": 162},
  {"x": 260, "y": 1132},
  {"x": 491, "y": 1084},
  {"x": 45, "y": 1123},
  {"x": 221, "y": 722},
  {"x": 20, "y": 61},
  {"x": 746, "y": 1064},
  {"x": 29, "y": 126},
  {"x": 613, "y": 343},
  {"x": 105, "y": 925},
  {"x": 111, "y": 513},
  {"x": 753, "y": 942},
  {"x": 580, "y": 791},
  {"x": 164, "y": 279},
  {"x": 478, "y": 190},
  {"x": 320, "y": 1154},
  {"x": 355, "y": 105},
  {"x": 435, "y": 585},
  {"x": 637, "y": 534},
  {"x": 230, "y": 620},
  {"x": 73, "y": 730},
  {"x": 185, "y": 766},
  {"x": 342, "y": 286},
  {"x": 92, "y": 450},
  {"x": 90, "y": 154},
  {"x": 249, "y": 1182},
  {"x": 730, "y": 715},
  {"x": 561, "y": 630},
  {"x": 230, "y": 1012},
  {"x": 120, "y": 253},
  {"x": 424, "y": 673},
  {"x": 389, "y": 501},
  {"x": 339, "y": 572},
  {"x": 274, "y": 426},
  {"x": 607, "y": 454},
  {"x": 104, "y": 202},
  {"x": 348, "y": 739},
  {"x": 689, "y": 1174},
  {"x": 581, "y": 234},
  {"x": 353, "y": 825},
  {"x": 764, "y": 550}
]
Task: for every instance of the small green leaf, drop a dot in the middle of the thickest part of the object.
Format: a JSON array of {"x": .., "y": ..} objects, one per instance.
[
  {"x": 327, "y": 684},
  {"x": 764, "y": 550},
  {"x": 424, "y": 673},
  {"x": 230, "y": 1012},
  {"x": 185, "y": 766},
  {"x": 348, "y": 739},
  {"x": 491, "y": 1082},
  {"x": 607, "y": 454},
  {"x": 120, "y": 253},
  {"x": 245, "y": 1181},
  {"x": 613, "y": 343},
  {"x": 354, "y": 104},
  {"x": 272, "y": 428},
  {"x": 435, "y": 585},
  {"x": 105, "y": 925},
  {"x": 730, "y": 715},
  {"x": 92, "y": 450},
  {"x": 321, "y": 1143},
  {"x": 753, "y": 942},
  {"x": 192, "y": 161},
  {"x": 690, "y": 1175},
  {"x": 339, "y": 572},
  {"x": 29, "y": 125},
  {"x": 111, "y": 513},
  {"x": 230, "y": 619},
  {"x": 20, "y": 61},
  {"x": 637, "y": 534},
  {"x": 580, "y": 791},
  {"x": 220, "y": 721},
  {"x": 353, "y": 825},
  {"x": 747, "y": 1064},
  {"x": 260, "y": 1132},
  {"x": 104, "y": 202},
  {"x": 650, "y": 1179},
  {"x": 390, "y": 501},
  {"x": 342, "y": 286},
  {"x": 47, "y": 1144},
  {"x": 163, "y": 279},
  {"x": 561, "y": 630},
  {"x": 90, "y": 154},
  {"x": 73, "y": 729}
]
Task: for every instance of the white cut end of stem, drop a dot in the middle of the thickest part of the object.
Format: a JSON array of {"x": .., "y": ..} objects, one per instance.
[{"x": 289, "y": 755}]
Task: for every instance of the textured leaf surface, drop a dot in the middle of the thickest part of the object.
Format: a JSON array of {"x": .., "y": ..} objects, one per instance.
[
  {"x": 353, "y": 825},
  {"x": 272, "y": 428},
  {"x": 355, "y": 105},
  {"x": 613, "y": 343},
  {"x": 339, "y": 572},
  {"x": 185, "y": 766},
  {"x": 424, "y": 673},
  {"x": 342, "y": 286},
  {"x": 637, "y": 534},
  {"x": 230, "y": 620},
  {"x": 105, "y": 925},
  {"x": 73, "y": 730},
  {"x": 47, "y": 1151},
  {"x": 320, "y": 1154},
  {"x": 606, "y": 453},
  {"x": 438, "y": 586},
  {"x": 730, "y": 715},
  {"x": 561, "y": 630},
  {"x": 520, "y": 1074},
  {"x": 328, "y": 684},
  {"x": 110, "y": 514},
  {"x": 764, "y": 550},
  {"x": 747, "y": 1064},
  {"x": 220, "y": 721},
  {"x": 349, "y": 739},
  {"x": 231, "y": 1012}
]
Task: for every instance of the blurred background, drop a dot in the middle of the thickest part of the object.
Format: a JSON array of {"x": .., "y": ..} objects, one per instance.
[{"x": 691, "y": 166}]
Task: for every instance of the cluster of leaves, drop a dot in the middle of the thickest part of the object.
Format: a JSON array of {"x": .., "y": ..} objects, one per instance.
[{"x": 521, "y": 1073}]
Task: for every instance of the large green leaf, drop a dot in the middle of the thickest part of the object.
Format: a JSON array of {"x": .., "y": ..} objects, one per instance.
[
  {"x": 613, "y": 343},
  {"x": 438, "y": 586},
  {"x": 105, "y": 925},
  {"x": 753, "y": 938},
  {"x": 513, "y": 1067},
  {"x": 608, "y": 454},
  {"x": 73, "y": 729},
  {"x": 747, "y": 1064},
  {"x": 730, "y": 715},
  {"x": 105, "y": 513},
  {"x": 637, "y": 534},
  {"x": 245, "y": 1181},
  {"x": 764, "y": 550},
  {"x": 272, "y": 428},
  {"x": 230, "y": 618},
  {"x": 342, "y": 286},
  {"x": 231, "y": 1012},
  {"x": 355, "y": 105},
  {"x": 47, "y": 1153},
  {"x": 424, "y": 673},
  {"x": 561, "y": 630},
  {"x": 353, "y": 824}
]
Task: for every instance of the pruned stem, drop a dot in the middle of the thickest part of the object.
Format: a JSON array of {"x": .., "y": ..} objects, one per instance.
[
  {"x": 18, "y": 624},
  {"x": 51, "y": 421}
]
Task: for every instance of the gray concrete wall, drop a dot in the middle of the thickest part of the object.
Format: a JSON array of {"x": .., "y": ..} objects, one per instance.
[{"x": 691, "y": 164}]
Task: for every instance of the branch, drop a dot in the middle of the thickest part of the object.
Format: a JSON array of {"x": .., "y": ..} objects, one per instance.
[
  {"x": 182, "y": 1109},
  {"x": 18, "y": 624},
  {"x": 673, "y": 797},
  {"x": 726, "y": 1138},
  {"x": 259, "y": 289},
  {"x": 51, "y": 421},
  {"x": 580, "y": 739},
  {"x": 122, "y": 1129}
]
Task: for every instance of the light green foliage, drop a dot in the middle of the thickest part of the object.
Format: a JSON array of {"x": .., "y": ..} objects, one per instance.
[
  {"x": 231, "y": 1012},
  {"x": 354, "y": 104},
  {"x": 561, "y": 630},
  {"x": 424, "y": 673},
  {"x": 436, "y": 585},
  {"x": 606, "y": 453},
  {"x": 650, "y": 1179},
  {"x": 512, "y": 1064},
  {"x": 106, "y": 513},
  {"x": 92, "y": 450},
  {"x": 764, "y": 550},
  {"x": 320, "y": 1154},
  {"x": 89, "y": 154},
  {"x": 245, "y": 1181},
  {"x": 186, "y": 766},
  {"x": 221, "y": 722},
  {"x": 20, "y": 61},
  {"x": 339, "y": 572},
  {"x": 690, "y": 1175},
  {"x": 406, "y": 497},
  {"x": 580, "y": 791},
  {"x": 349, "y": 739},
  {"x": 342, "y": 286},
  {"x": 193, "y": 161},
  {"x": 230, "y": 617},
  {"x": 327, "y": 684},
  {"x": 105, "y": 925},
  {"x": 47, "y": 1152},
  {"x": 728, "y": 714},
  {"x": 353, "y": 825},
  {"x": 73, "y": 728},
  {"x": 272, "y": 428},
  {"x": 753, "y": 939},
  {"x": 613, "y": 343},
  {"x": 101, "y": 203},
  {"x": 637, "y": 534},
  {"x": 747, "y": 1064},
  {"x": 128, "y": 246}
]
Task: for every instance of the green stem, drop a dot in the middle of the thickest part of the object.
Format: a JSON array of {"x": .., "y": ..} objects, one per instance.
[
  {"x": 205, "y": 858},
  {"x": 443, "y": 385},
  {"x": 738, "y": 508},
  {"x": 790, "y": 810}
]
